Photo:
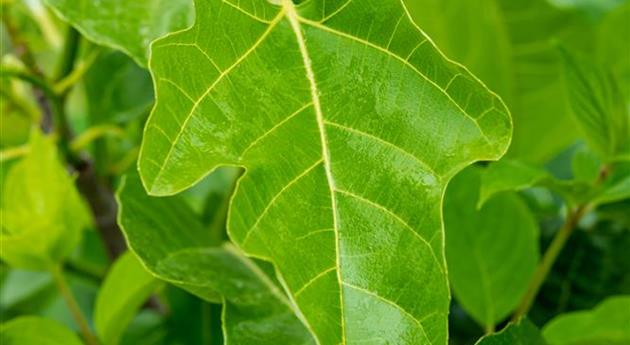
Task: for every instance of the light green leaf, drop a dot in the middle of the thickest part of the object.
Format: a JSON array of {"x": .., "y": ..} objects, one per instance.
[
  {"x": 606, "y": 324},
  {"x": 599, "y": 107},
  {"x": 509, "y": 175},
  {"x": 521, "y": 333},
  {"x": 43, "y": 214},
  {"x": 348, "y": 133},
  {"x": 129, "y": 26},
  {"x": 33, "y": 330},
  {"x": 491, "y": 252},
  {"x": 125, "y": 288},
  {"x": 166, "y": 236}
]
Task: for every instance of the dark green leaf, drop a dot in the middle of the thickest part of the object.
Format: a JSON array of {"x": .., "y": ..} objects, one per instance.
[{"x": 491, "y": 252}]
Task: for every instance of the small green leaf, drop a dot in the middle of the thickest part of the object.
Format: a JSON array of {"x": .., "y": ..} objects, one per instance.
[
  {"x": 491, "y": 252},
  {"x": 326, "y": 113},
  {"x": 524, "y": 332},
  {"x": 33, "y": 330},
  {"x": 599, "y": 107},
  {"x": 165, "y": 234},
  {"x": 606, "y": 324},
  {"x": 43, "y": 214},
  {"x": 509, "y": 175},
  {"x": 125, "y": 288},
  {"x": 129, "y": 26}
]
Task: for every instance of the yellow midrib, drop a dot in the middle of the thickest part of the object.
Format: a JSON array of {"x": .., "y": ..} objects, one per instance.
[{"x": 293, "y": 18}]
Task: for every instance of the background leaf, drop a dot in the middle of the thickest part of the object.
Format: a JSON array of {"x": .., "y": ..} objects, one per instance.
[
  {"x": 32, "y": 330},
  {"x": 42, "y": 213},
  {"x": 522, "y": 332},
  {"x": 508, "y": 175},
  {"x": 491, "y": 252},
  {"x": 125, "y": 288},
  {"x": 606, "y": 324},
  {"x": 129, "y": 26},
  {"x": 599, "y": 107}
]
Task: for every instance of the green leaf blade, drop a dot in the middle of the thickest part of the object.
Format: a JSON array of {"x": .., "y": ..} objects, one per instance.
[
  {"x": 523, "y": 332},
  {"x": 43, "y": 215},
  {"x": 129, "y": 26},
  {"x": 320, "y": 134},
  {"x": 492, "y": 252},
  {"x": 607, "y": 323},
  {"x": 125, "y": 288},
  {"x": 33, "y": 330}
]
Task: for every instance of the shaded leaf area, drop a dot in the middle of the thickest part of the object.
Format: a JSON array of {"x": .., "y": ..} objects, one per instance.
[
  {"x": 33, "y": 330},
  {"x": 166, "y": 236},
  {"x": 491, "y": 252},
  {"x": 592, "y": 266},
  {"x": 118, "y": 93},
  {"x": 125, "y": 288},
  {"x": 523, "y": 332},
  {"x": 348, "y": 110},
  {"x": 42, "y": 214},
  {"x": 116, "y": 89},
  {"x": 129, "y": 26},
  {"x": 607, "y": 324}
]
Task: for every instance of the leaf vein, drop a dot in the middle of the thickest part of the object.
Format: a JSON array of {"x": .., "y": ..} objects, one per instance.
[
  {"x": 387, "y": 143},
  {"x": 275, "y": 198}
]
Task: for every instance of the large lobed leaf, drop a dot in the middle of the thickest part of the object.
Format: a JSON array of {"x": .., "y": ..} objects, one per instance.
[
  {"x": 349, "y": 123},
  {"x": 173, "y": 246}
]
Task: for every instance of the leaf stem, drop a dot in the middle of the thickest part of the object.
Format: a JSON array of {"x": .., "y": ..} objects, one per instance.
[
  {"x": 72, "y": 304},
  {"x": 23, "y": 52},
  {"x": 64, "y": 84},
  {"x": 548, "y": 260}
]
